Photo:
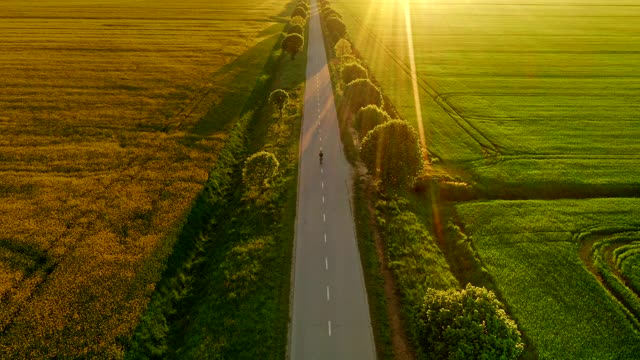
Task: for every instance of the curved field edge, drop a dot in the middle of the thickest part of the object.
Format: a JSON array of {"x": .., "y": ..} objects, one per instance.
[
  {"x": 605, "y": 252},
  {"x": 532, "y": 249}
]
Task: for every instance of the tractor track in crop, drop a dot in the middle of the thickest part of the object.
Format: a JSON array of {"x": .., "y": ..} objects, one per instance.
[
  {"x": 490, "y": 148},
  {"x": 587, "y": 254}
]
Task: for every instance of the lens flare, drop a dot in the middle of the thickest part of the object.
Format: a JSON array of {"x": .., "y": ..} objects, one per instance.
[{"x": 414, "y": 76}]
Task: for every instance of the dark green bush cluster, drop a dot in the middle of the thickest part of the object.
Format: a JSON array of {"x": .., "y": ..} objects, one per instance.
[
  {"x": 467, "y": 324},
  {"x": 299, "y": 11},
  {"x": 295, "y": 29},
  {"x": 279, "y": 99},
  {"x": 297, "y": 20},
  {"x": 243, "y": 265},
  {"x": 343, "y": 50},
  {"x": 368, "y": 117},
  {"x": 467, "y": 265},
  {"x": 293, "y": 42},
  {"x": 333, "y": 24},
  {"x": 413, "y": 255},
  {"x": 258, "y": 173},
  {"x": 337, "y": 29},
  {"x": 360, "y": 93},
  {"x": 353, "y": 71},
  {"x": 391, "y": 153}
]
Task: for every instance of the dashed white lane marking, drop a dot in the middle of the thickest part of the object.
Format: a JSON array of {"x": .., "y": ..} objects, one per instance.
[
  {"x": 323, "y": 184},
  {"x": 328, "y": 295},
  {"x": 323, "y": 199},
  {"x": 325, "y": 237},
  {"x": 326, "y": 263},
  {"x": 321, "y": 170},
  {"x": 324, "y": 217},
  {"x": 329, "y": 327}
]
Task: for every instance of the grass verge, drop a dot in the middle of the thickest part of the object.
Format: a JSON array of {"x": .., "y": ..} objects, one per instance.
[{"x": 226, "y": 293}]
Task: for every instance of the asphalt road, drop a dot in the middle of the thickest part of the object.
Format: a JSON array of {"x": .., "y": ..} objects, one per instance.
[{"x": 330, "y": 312}]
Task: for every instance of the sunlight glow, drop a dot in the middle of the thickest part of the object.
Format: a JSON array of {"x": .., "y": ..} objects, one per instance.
[{"x": 414, "y": 75}]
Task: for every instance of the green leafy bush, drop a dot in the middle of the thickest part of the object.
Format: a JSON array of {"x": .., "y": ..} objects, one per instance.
[
  {"x": 242, "y": 266},
  {"x": 467, "y": 265},
  {"x": 296, "y": 29},
  {"x": 343, "y": 48},
  {"x": 368, "y": 117},
  {"x": 329, "y": 12},
  {"x": 279, "y": 98},
  {"x": 353, "y": 71},
  {"x": 292, "y": 44},
  {"x": 299, "y": 11},
  {"x": 259, "y": 169},
  {"x": 297, "y": 20},
  {"x": 303, "y": 5},
  {"x": 467, "y": 324},
  {"x": 414, "y": 257},
  {"x": 392, "y": 154},
  {"x": 337, "y": 29},
  {"x": 360, "y": 93}
]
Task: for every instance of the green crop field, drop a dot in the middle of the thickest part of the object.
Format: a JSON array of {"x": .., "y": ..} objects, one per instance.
[
  {"x": 515, "y": 92},
  {"x": 544, "y": 260},
  {"x": 529, "y": 100},
  {"x": 112, "y": 113}
]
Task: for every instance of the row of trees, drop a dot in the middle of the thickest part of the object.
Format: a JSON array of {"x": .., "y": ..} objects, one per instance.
[
  {"x": 453, "y": 324},
  {"x": 383, "y": 140},
  {"x": 293, "y": 42},
  {"x": 261, "y": 169}
]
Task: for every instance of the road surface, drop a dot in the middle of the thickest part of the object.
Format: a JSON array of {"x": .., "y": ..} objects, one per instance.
[{"x": 330, "y": 312}]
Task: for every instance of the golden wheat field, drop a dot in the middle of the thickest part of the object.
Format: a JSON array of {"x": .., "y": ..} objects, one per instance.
[{"x": 111, "y": 115}]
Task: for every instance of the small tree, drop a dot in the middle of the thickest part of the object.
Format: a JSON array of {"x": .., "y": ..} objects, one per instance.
[
  {"x": 302, "y": 4},
  {"x": 150, "y": 342},
  {"x": 467, "y": 324},
  {"x": 297, "y": 20},
  {"x": 258, "y": 172},
  {"x": 342, "y": 48},
  {"x": 392, "y": 154},
  {"x": 360, "y": 93},
  {"x": 368, "y": 117},
  {"x": 296, "y": 29},
  {"x": 328, "y": 12},
  {"x": 353, "y": 71},
  {"x": 279, "y": 98},
  {"x": 299, "y": 12},
  {"x": 292, "y": 44},
  {"x": 336, "y": 26}
]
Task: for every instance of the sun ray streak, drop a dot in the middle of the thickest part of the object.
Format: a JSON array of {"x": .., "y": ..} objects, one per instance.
[{"x": 414, "y": 75}]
